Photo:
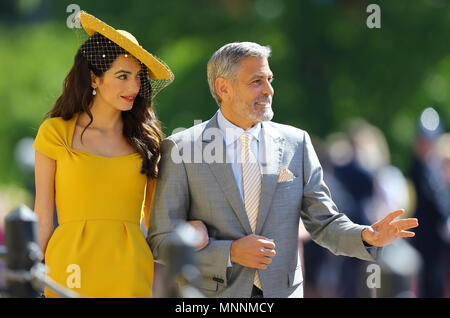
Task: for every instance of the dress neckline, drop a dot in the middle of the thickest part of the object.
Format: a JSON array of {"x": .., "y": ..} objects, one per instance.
[{"x": 71, "y": 135}]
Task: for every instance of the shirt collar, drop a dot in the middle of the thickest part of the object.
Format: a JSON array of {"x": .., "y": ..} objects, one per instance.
[{"x": 232, "y": 132}]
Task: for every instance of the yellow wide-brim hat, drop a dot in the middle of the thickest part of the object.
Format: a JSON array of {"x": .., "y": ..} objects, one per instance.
[{"x": 156, "y": 69}]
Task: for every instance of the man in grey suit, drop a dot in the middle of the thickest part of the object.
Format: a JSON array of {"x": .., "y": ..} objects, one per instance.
[{"x": 252, "y": 215}]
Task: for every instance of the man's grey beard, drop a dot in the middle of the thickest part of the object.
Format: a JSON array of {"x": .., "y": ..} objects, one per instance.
[
  {"x": 268, "y": 113},
  {"x": 252, "y": 113},
  {"x": 258, "y": 116}
]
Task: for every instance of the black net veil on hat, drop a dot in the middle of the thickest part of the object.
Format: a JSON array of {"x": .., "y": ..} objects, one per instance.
[{"x": 101, "y": 52}]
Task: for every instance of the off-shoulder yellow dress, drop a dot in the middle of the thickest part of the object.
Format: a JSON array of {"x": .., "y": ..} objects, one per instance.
[{"x": 98, "y": 249}]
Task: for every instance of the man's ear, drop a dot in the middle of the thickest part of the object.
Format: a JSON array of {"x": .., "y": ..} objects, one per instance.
[{"x": 224, "y": 88}]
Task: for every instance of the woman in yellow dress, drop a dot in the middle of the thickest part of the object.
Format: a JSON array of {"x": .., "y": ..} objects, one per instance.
[{"x": 97, "y": 160}]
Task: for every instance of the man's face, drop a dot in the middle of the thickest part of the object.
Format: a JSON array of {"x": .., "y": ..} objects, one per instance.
[{"x": 251, "y": 101}]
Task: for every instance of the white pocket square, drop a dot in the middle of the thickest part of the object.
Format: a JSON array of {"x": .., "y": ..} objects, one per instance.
[{"x": 285, "y": 175}]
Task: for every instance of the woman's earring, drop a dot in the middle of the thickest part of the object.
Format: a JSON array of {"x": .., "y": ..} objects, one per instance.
[{"x": 94, "y": 92}]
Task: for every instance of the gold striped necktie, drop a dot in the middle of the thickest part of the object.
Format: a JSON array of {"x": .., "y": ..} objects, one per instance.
[{"x": 251, "y": 182}]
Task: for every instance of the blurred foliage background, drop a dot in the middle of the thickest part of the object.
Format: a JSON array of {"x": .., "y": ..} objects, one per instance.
[{"x": 329, "y": 66}]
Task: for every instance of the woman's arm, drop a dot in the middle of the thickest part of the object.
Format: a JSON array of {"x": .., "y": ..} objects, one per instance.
[
  {"x": 148, "y": 200},
  {"x": 45, "y": 168}
]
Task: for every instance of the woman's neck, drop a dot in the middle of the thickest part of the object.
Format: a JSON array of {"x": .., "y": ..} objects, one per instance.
[{"x": 104, "y": 118}]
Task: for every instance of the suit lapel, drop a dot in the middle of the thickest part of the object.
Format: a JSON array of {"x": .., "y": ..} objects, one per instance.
[
  {"x": 224, "y": 175},
  {"x": 271, "y": 152}
]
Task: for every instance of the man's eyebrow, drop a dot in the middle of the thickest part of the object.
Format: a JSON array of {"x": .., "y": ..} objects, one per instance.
[{"x": 259, "y": 75}]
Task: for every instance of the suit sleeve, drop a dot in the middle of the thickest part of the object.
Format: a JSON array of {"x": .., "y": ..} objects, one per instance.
[
  {"x": 170, "y": 204},
  {"x": 322, "y": 220},
  {"x": 170, "y": 207}
]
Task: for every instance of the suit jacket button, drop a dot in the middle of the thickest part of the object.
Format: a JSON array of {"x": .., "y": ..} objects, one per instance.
[{"x": 219, "y": 280}]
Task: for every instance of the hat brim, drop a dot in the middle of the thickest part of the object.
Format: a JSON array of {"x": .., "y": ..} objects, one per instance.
[{"x": 156, "y": 69}]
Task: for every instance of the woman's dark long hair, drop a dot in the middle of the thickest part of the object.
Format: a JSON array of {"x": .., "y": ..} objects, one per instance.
[{"x": 140, "y": 125}]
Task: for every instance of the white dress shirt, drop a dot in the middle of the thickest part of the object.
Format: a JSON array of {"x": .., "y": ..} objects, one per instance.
[{"x": 231, "y": 134}]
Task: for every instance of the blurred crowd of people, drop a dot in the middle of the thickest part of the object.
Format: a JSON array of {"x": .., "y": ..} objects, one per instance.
[
  {"x": 431, "y": 177},
  {"x": 366, "y": 186}
]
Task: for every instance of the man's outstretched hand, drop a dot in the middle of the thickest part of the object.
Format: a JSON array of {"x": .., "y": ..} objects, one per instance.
[{"x": 388, "y": 230}]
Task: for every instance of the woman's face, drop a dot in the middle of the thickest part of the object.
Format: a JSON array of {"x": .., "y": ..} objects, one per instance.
[{"x": 118, "y": 86}]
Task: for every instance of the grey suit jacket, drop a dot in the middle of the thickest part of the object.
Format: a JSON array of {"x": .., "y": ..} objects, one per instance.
[{"x": 196, "y": 183}]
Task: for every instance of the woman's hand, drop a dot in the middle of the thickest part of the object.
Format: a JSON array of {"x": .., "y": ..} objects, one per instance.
[{"x": 202, "y": 234}]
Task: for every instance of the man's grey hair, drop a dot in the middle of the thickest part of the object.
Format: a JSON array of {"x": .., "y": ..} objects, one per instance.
[{"x": 224, "y": 62}]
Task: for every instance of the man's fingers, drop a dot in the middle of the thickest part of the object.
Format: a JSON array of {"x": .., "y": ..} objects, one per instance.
[
  {"x": 406, "y": 224},
  {"x": 393, "y": 215},
  {"x": 260, "y": 266},
  {"x": 269, "y": 245},
  {"x": 265, "y": 260},
  {"x": 266, "y": 243},
  {"x": 406, "y": 234},
  {"x": 267, "y": 252},
  {"x": 262, "y": 262}
]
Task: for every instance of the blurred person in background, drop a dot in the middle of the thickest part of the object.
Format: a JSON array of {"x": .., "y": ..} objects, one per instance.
[
  {"x": 3, "y": 209},
  {"x": 390, "y": 191},
  {"x": 389, "y": 185},
  {"x": 349, "y": 153},
  {"x": 430, "y": 174},
  {"x": 325, "y": 271},
  {"x": 2, "y": 216},
  {"x": 442, "y": 150}
]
